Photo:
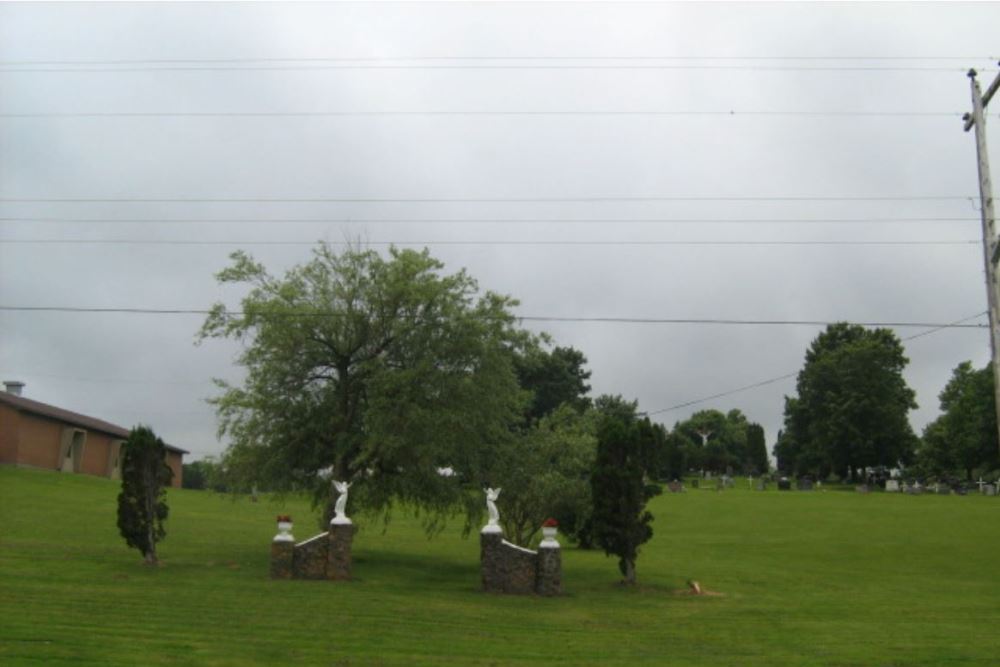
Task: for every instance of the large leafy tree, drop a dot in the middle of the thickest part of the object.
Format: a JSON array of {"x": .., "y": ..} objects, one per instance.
[
  {"x": 964, "y": 437},
  {"x": 544, "y": 472},
  {"x": 620, "y": 520},
  {"x": 852, "y": 404},
  {"x": 142, "y": 505},
  {"x": 375, "y": 369},
  {"x": 554, "y": 377}
]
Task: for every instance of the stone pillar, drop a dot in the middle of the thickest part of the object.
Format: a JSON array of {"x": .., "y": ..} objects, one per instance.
[
  {"x": 491, "y": 563},
  {"x": 282, "y": 553},
  {"x": 548, "y": 580},
  {"x": 338, "y": 564}
]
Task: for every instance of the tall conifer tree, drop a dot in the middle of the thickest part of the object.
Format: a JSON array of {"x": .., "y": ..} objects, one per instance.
[{"x": 142, "y": 506}]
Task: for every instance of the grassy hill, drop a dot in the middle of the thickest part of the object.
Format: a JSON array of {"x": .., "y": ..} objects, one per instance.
[{"x": 826, "y": 578}]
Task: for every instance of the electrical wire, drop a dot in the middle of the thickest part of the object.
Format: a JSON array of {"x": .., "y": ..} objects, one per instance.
[
  {"x": 481, "y": 67},
  {"x": 682, "y": 221},
  {"x": 522, "y": 318},
  {"x": 684, "y": 58},
  {"x": 462, "y": 112},
  {"x": 957, "y": 324},
  {"x": 469, "y": 200},
  {"x": 515, "y": 243}
]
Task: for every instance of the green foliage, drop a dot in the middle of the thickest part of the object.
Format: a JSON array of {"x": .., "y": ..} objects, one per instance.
[
  {"x": 726, "y": 449},
  {"x": 964, "y": 438},
  {"x": 553, "y": 378},
  {"x": 142, "y": 506},
  {"x": 373, "y": 369},
  {"x": 205, "y": 474},
  {"x": 194, "y": 475},
  {"x": 852, "y": 404},
  {"x": 617, "y": 407},
  {"x": 757, "y": 461},
  {"x": 674, "y": 462},
  {"x": 544, "y": 472},
  {"x": 620, "y": 520}
]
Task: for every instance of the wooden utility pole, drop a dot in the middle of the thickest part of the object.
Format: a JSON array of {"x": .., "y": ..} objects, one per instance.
[{"x": 991, "y": 245}]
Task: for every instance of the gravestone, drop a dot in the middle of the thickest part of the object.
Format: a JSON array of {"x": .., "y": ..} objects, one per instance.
[
  {"x": 862, "y": 488},
  {"x": 675, "y": 487},
  {"x": 942, "y": 489},
  {"x": 761, "y": 485},
  {"x": 892, "y": 485},
  {"x": 804, "y": 484},
  {"x": 784, "y": 484},
  {"x": 990, "y": 490}
]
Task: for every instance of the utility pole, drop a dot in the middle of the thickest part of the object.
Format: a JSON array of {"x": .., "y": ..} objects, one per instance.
[{"x": 991, "y": 245}]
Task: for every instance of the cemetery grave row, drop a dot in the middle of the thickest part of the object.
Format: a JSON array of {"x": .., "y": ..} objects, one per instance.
[{"x": 892, "y": 485}]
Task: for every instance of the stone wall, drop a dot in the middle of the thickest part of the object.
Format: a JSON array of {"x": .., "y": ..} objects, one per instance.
[
  {"x": 508, "y": 568},
  {"x": 323, "y": 556},
  {"x": 309, "y": 561}
]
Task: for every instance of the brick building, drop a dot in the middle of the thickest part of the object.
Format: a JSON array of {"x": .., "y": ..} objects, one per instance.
[{"x": 38, "y": 435}]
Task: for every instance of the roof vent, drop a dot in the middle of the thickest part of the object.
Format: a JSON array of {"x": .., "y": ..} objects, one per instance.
[{"x": 13, "y": 387}]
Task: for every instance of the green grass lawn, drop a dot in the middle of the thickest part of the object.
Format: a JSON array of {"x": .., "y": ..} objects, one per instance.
[{"x": 821, "y": 578}]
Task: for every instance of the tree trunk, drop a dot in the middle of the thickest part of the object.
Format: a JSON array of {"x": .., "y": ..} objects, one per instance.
[
  {"x": 151, "y": 494},
  {"x": 629, "y": 579}
]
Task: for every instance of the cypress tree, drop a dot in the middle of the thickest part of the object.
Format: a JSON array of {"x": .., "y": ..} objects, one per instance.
[
  {"x": 142, "y": 506},
  {"x": 620, "y": 520},
  {"x": 756, "y": 450}
]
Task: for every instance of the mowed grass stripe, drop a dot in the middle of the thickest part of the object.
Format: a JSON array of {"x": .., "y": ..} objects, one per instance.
[{"x": 828, "y": 578}]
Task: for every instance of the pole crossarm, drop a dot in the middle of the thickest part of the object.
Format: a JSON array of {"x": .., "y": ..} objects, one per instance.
[{"x": 969, "y": 118}]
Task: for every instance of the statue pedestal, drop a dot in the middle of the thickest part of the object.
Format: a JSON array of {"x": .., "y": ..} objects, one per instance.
[
  {"x": 282, "y": 553},
  {"x": 338, "y": 566},
  {"x": 491, "y": 564},
  {"x": 549, "y": 581}
]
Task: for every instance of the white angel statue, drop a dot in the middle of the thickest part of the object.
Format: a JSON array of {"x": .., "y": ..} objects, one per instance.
[
  {"x": 491, "y": 505},
  {"x": 340, "y": 515}
]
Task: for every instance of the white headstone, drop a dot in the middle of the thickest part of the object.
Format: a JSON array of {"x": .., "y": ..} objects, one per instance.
[{"x": 892, "y": 485}]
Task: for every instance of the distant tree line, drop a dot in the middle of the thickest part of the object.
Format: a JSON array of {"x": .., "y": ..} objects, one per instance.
[
  {"x": 851, "y": 414},
  {"x": 962, "y": 441},
  {"x": 715, "y": 442}
]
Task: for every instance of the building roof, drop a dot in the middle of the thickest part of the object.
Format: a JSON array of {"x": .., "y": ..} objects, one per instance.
[{"x": 74, "y": 418}]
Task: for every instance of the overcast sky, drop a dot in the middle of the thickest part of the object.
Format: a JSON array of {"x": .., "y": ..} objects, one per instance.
[{"x": 872, "y": 151}]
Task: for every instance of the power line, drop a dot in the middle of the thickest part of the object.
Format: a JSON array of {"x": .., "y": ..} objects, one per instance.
[
  {"x": 477, "y": 67},
  {"x": 522, "y": 318},
  {"x": 499, "y": 58},
  {"x": 957, "y": 324},
  {"x": 463, "y": 200},
  {"x": 462, "y": 112},
  {"x": 92, "y": 380},
  {"x": 683, "y": 221},
  {"x": 757, "y": 384},
  {"x": 446, "y": 242}
]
